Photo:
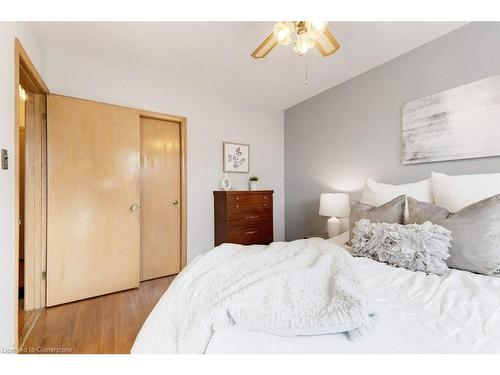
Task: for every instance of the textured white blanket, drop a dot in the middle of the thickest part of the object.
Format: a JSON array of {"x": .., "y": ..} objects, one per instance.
[{"x": 303, "y": 287}]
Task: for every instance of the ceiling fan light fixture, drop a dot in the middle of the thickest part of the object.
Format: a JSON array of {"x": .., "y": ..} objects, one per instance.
[
  {"x": 303, "y": 44},
  {"x": 283, "y": 32},
  {"x": 302, "y": 35},
  {"x": 316, "y": 28}
]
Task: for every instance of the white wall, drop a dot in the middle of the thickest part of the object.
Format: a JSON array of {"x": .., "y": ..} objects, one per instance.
[
  {"x": 212, "y": 118},
  {"x": 26, "y": 33}
]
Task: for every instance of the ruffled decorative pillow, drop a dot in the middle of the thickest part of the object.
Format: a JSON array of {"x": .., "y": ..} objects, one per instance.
[{"x": 418, "y": 247}]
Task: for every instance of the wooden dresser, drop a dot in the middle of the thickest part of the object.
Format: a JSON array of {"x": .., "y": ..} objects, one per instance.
[{"x": 243, "y": 217}]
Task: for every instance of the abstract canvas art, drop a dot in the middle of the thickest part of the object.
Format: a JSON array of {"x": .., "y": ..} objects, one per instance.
[
  {"x": 460, "y": 123},
  {"x": 236, "y": 157}
]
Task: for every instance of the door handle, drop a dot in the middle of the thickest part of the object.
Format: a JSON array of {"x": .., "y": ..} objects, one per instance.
[
  {"x": 135, "y": 207},
  {"x": 176, "y": 202}
]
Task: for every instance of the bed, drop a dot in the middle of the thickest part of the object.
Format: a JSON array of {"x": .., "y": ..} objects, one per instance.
[{"x": 417, "y": 313}]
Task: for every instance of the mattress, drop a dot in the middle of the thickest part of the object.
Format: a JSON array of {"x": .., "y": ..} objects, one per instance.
[{"x": 418, "y": 313}]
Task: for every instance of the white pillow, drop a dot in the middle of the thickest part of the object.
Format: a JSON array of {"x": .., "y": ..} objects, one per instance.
[
  {"x": 377, "y": 194},
  {"x": 457, "y": 192}
]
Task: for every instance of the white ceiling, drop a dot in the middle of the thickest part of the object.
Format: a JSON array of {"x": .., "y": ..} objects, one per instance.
[{"x": 217, "y": 54}]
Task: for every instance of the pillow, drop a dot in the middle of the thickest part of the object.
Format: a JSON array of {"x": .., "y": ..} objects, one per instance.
[
  {"x": 390, "y": 212},
  {"x": 377, "y": 194},
  {"x": 476, "y": 233},
  {"x": 457, "y": 192},
  {"x": 418, "y": 247}
]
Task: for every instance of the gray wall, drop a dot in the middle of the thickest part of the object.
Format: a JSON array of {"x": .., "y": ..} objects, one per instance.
[{"x": 337, "y": 139}]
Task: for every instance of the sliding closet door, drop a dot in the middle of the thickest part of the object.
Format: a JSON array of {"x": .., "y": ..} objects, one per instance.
[
  {"x": 160, "y": 198},
  {"x": 93, "y": 238}
]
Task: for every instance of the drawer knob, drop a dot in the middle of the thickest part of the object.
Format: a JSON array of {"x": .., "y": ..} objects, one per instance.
[
  {"x": 265, "y": 205},
  {"x": 251, "y": 217},
  {"x": 237, "y": 206},
  {"x": 237, "y": 198},
  {"x": 252, "y": 232},
  {"x": 265, "y": 197}
]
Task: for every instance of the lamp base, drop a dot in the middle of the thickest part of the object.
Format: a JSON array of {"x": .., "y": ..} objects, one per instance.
[{"x": 333, "y": 227}]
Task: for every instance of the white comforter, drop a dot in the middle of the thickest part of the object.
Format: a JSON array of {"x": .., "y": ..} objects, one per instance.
[
  {"x": 303, "y": 287},
  {"x": 456, "y": 313},
  {"x": 417, "y": 313}
]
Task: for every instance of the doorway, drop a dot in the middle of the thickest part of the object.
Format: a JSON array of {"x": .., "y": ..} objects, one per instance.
[{"x": 29, "y": 198}]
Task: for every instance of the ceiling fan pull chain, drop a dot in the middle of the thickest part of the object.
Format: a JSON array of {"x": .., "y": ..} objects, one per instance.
[{"x": 306, "y": 81}]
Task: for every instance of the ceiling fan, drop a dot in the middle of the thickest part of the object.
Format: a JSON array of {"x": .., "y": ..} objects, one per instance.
[{"x": 303, "y": 35}]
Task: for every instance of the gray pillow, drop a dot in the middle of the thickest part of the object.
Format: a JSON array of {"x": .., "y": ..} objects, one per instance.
[
  {"x": 418, "y": 247},
  {"x": 475, "y": 229},
  {"x": 390, "y": 212}
]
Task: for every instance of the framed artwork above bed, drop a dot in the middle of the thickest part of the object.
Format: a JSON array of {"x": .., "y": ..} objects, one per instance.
[
  {"x": 460, "y": 123},
  {"x": 236, "y": 157}
]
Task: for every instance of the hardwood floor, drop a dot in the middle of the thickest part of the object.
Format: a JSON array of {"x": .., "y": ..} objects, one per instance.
[{"x": 105, "y": 324}]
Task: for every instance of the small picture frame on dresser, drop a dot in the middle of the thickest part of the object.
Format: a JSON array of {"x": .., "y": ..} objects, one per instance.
[{"x": 236, "y": 157}]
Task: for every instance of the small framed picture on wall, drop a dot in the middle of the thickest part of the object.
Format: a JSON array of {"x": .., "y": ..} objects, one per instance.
[{"x": 236, "y": 157}]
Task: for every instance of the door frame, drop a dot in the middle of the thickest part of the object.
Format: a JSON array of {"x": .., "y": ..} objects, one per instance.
[{"x": 25, "y": 74}]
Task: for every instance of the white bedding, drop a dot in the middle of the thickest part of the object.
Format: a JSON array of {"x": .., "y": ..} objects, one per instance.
[
  {"x": 304, "y": 287},
  {"x": 418, "y": 313}
]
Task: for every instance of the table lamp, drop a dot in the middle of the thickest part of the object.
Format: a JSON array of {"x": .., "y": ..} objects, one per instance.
[{"x": 335, "y": 205}]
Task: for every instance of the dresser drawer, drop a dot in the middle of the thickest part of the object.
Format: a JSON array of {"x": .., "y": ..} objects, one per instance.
[
  {"x": 252, "y": 234},
  {"x": 241, "y": 201},
  {"x": 250, "y": 216}
]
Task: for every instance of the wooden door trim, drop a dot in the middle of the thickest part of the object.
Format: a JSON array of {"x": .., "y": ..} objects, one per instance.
[
  {"x": 182, "y": 121},
  {"x": 36, "y": 203},
  {"x": 30, "y": 79},
  {"x": 25, "y": 73}
]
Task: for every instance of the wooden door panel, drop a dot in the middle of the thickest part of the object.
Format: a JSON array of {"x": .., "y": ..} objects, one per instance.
[
  {"x": 160, "y": 189},
  {"x": 93, "y": 238}
]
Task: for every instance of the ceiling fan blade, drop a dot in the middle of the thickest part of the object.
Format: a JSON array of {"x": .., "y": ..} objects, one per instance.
[
  {"x": 327, "y": 44},
  {"x": 266, "y": 46}
]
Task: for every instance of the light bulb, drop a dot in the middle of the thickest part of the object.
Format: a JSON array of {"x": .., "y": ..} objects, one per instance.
[
  {"x": 316, "y": 28},
  {"x": 283, "y": 32},
  {"x": 303, "y": 44}
]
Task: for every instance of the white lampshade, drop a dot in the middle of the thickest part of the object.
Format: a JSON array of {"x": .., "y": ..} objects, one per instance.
[{"x": 334, "y": 204}]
